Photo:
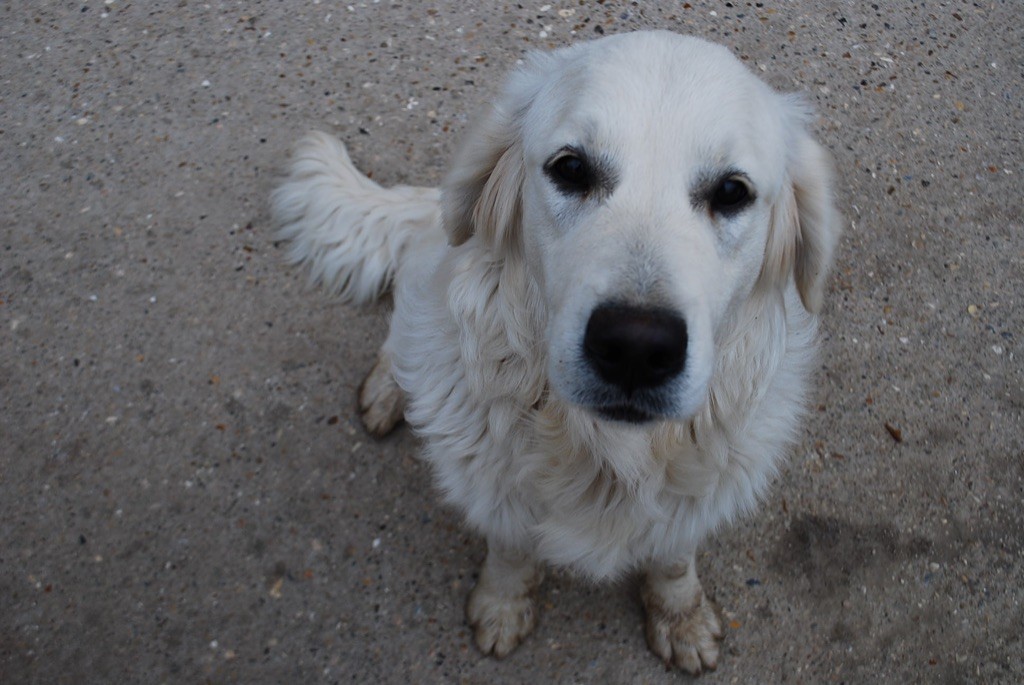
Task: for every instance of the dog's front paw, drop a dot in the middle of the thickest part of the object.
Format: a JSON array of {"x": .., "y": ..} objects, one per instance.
[
  {"x": 381, "y": 403},
  {"x": 688, "y": 639},
  {"x": 682, "y": 626},
  {"x": 500, "y": 622}
]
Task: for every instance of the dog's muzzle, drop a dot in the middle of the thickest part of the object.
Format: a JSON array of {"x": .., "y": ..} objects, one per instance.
[{"x": 636, "y": 351}]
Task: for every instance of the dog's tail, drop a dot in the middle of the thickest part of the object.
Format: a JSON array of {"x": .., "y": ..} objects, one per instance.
[{"x": 351, "y": 232}]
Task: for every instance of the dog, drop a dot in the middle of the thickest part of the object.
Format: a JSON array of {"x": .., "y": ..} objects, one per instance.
[{"x": 604, "y": 321}]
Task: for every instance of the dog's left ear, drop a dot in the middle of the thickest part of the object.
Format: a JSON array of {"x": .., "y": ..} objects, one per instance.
[
  {"x": 482, "y": 193},
  {"x": 804, "y": 222}
]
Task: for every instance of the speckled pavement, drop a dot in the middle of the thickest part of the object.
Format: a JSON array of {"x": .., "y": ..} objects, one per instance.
[{"x": 186, "y": 494}]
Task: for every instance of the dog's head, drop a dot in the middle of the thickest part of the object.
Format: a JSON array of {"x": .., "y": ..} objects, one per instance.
[{"x": 651, "y": 184}]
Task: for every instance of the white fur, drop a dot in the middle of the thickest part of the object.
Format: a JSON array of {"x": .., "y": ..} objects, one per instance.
[
  {"x": 349, "y": 230},
  {"x": 485, "y": 338}
]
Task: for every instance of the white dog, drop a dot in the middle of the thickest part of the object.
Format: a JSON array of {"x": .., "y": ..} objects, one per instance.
[{"x": 604, "y": 319}]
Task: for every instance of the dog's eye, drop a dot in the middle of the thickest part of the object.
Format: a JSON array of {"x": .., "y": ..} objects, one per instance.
[
  {"x": 730, "y": 196},
  {"x": 571, "y": 174}
]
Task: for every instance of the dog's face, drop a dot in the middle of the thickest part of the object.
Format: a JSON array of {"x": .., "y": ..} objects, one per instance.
[{"x": 653, "y": 185}]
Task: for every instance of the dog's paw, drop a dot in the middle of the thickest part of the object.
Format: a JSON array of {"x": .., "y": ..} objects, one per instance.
[
  {"x": 381, "y": 403},
  {"x": 687, "y": 638},
  {"x": 499, "y": 622}
]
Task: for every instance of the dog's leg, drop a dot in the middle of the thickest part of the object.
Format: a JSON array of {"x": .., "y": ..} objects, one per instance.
[
  {"x": 381, "y": 402},
  {"x": 682, "y": 627},
  {"x": 501, "y": 607}
]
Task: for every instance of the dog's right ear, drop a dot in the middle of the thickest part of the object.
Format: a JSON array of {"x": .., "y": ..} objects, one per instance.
[{"x": 482, "y": 194}]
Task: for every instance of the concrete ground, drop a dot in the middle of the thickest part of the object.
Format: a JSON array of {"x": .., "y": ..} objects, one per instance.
[{"x": 187, "y": 496}]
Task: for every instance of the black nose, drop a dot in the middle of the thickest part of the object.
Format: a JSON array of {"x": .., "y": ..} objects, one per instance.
[{"x": 635, "y": 348}]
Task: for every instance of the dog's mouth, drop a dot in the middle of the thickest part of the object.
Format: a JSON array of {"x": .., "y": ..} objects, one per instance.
[
  {"x": 632, "y": 410},
  {"x": 625, "y": 413}
]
